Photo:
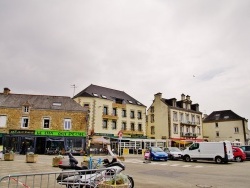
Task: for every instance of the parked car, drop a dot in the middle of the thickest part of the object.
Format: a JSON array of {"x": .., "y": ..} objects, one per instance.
[
  {"x": 246, "y": 149},
  {"x": 155, "y": 153},
  {"x": 173, "y": 153},
  {"x": 239, "y": 154}
]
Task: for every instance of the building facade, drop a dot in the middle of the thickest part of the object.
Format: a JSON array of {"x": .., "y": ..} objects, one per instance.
[
  {"x": 111, "y": 111},
  {"x": 42, "y": 123},
  {"x": 178, "y": 122},
  {"x": 226, "y": 125}
]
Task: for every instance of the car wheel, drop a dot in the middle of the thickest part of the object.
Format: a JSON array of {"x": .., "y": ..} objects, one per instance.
[
  {"x": 238, "y": 159},
  {"x": 218, "y": 160},
  {"x": 152, "y": 158},
  {"x": 187, "y": 158}
]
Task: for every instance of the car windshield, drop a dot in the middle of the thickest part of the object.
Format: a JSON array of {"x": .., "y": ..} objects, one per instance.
[
  {"x": 157, "y": 150},
  {"x": 174, "y": 149}
]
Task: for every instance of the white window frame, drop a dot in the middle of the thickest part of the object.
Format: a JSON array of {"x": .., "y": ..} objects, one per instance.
[
  {"x": 46, "y": 118},
  {"x": 25, "y": 121},
  {"x": 3, "y": 121},
  {"x": 175, "y": 128},
  {"x": 67, "y": 124}
]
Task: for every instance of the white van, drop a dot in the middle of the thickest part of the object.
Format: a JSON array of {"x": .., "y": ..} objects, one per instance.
[{"x": 220, "y": 152}]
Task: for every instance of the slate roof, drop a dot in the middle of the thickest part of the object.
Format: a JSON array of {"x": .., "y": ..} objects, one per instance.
[
  {"x": 45, "y": 102},
  {"x": 107, "y": 93},
  {"x": 224, "y": 115}
]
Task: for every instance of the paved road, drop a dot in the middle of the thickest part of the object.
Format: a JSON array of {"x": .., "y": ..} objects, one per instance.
[{"x": 173, "y": 174}]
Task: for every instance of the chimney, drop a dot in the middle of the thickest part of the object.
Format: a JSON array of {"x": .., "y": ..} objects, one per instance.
[
  {"x": 158, "y": 96},
  {"x": 182, "y": 97},
  {"x": 6, "y": 91},
  {"x": 188, "y": 97}
]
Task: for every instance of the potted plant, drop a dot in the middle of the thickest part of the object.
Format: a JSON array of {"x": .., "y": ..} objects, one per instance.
[
  {"x": 119, "y": 181},
  {"x": 56, "y": 160},
  {"x": 31, "y": 157},
  {"x": 9, "y": 155}
]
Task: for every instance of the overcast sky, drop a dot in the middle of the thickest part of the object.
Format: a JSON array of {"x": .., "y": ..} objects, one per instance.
[{"x": 197, "y": 47}]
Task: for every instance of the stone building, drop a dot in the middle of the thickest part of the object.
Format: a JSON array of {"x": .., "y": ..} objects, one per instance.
[
  {"x": 41, "y": 122},
  {"x": 226, "y": 125},
  {"x": 178, "y": 122}
]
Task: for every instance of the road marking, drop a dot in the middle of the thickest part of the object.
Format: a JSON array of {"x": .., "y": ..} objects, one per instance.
[
  {"x": 186, "y": 166},
  {"x": 175, "y": 165}
]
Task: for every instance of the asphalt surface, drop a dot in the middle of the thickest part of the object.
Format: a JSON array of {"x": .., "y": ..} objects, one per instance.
[{"x": 19, "y": 167}]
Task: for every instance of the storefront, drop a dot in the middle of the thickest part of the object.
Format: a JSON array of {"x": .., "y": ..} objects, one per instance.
[{"x": 45, "y": 141}]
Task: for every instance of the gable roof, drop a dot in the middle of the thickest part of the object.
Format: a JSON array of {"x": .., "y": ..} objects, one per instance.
[
  {"x": 107, "y": 93},
  {"x": 39, "y": 102},
  {"x": 223, "y": 115}
]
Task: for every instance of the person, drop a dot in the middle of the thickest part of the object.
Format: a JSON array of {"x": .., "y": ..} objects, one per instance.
[{"x": 23, "y": 148}]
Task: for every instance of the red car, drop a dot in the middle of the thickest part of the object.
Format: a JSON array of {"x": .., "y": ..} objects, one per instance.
[{"x": 239, "y": 154}]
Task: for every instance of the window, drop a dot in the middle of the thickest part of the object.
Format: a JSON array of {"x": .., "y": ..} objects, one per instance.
[
  {"x": 124, "y": 126},
  {"x": 124, "y": 113},
  {"x": 139, "y": 115},
  {"x": 114, "y": 112},
  {"x": 139, "y": 127},
  {"x": 152, "y": 118},
  {"x": 216, "y": 125},
  {"x": 95, "y": 94},
  {"x": 132, "y": 128},
  {"x": 193, "y": 119},
  {"x": 217, "y": 134},
  {"x": 105, "y": 124},
  {"x": 152, "y": 130},
  {"x": 57, "y": 104},
  {"x": 67, "y": 124},
  {"x": 175, "y": 118},
  {"x": 187, "y": 118},
  {"x": 132, "y": 114},
  {"x": 104, "y": 96},
  {"x": 175, "y": 129},
  {"x": 152, "y": 109},
  {"x": 199, "y": 130},
  {"x": 198, "y": 120},
  {"x": 187, "y": 129},
  {"x": 113, "y": 124},
  {"x": 25, "y": 122},
  {"x": 182, "y": 129},
  {"x": 46, "y": 123},
  {"x": 3, "y": 120},
  {"x": 236, "y": 129},
  {"x": 181, "y": 117},
  {"x": 130, "y": 102},
  {"x": 193, "y": 129},
  {"x": 25, "y": 109},
  {"x": 86, "y": 105},
  {"x": 105, "y": 110}
]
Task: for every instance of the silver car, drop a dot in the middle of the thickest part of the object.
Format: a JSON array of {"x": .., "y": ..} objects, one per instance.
[{"x": 173, "y": 153}]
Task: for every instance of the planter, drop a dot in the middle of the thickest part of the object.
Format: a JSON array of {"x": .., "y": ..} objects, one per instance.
[
  {"x": 9, "y": 156},
  {"x": 103, "y": 185},
  {"x": 56, "y": 161},
  {"x": 31, "y": 158},
  {"x": 121, "y": 158}
]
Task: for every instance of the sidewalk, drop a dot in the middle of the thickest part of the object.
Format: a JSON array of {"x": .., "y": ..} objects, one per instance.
[{"x": 43, "y": 164}]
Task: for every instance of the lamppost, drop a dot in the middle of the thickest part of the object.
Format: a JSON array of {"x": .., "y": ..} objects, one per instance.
[{"x": 87, "y": 135}]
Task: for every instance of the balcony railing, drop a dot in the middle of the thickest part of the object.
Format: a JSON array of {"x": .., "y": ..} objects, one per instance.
[
  {"x": 190, "y": 123},
  {"x": 107, "y": 116},
  {"x": 117, "y": 105},
  {"x": 188, "y": 135}
]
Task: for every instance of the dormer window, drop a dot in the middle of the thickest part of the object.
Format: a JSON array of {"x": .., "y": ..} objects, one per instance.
[
  {"x": 95, "y": 95},
  {"x": 57, "y": 104},
  {"x": 130, "y": 102},
  {"x": 104, "y": 96},
  {"x": 138, "y": 103},
  {"x": 26, "y": 109}
]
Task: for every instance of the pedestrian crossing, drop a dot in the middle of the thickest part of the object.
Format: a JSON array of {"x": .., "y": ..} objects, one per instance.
[{"x": 163, "y": 163}]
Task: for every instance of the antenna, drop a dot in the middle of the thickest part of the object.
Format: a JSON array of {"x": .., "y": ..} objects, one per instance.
[{"x": 74, "y": 89}]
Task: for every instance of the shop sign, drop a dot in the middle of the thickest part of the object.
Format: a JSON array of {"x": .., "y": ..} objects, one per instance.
[
  {"x": 17, "y": 131},
  {"x": 60, "y": 133},
  {"x": 103, "y": 134}
]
